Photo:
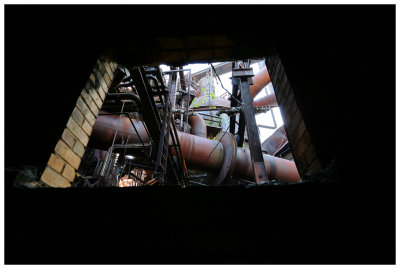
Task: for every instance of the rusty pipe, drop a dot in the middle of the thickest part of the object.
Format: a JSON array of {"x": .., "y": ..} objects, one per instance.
[
  {"x": 276, "y": 168},
  {"x": 268, "y": 100},
  {"x": 198, "y": 125},
  {"x": 105, "y": 127},
  {"x": 195, "y": 150},
  {"x": 260, "y": 80}
]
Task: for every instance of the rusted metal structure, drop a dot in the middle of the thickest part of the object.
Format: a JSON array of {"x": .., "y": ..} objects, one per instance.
[
  {"x": 196, "y": 149},
  {"x": 148, "y": 126}
]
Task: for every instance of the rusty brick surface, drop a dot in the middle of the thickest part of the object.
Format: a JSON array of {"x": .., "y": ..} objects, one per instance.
[
  {"x": 113, "y": 66},
  {"x": 315, "y": 167},
  {"x": 274, "y": 76},
  {"x": 86, "y": 96},
  {"x": 68, "y": 137},
  {"x": 296, "y": 118},
  {"x": 310, "y": 155},
  {"x": 69, "y": 172},
  {"x": 96, "y": 98},
  {"x": 71, "y": 147},
  {"x": 67, "y": 154},
  {"x": 300, "y": 142},
  {"x": 104, "y": 85},
  {"x": 91, "y": 118},
  {"x": 77, "y": 131},
  {"x": 54, "y": 179},
  {"x": 93, "y": 78},
  {"x": 107, "y": 79},
  {"x": 77, "y": 115},
  {"x": 108, "y": 69},
  {"x": 101, "y": 92},
  {"x": 87, "y": 127},
  {"x": 292, "y": 108},
  {"x": 301, "y": 128},
  {"x": 94, "y": 108},
  {"x": 56, "y": 163},
  {"x": 301, "y": 148},
  {"x": 286, "y": 88},
  {"x": 79, "y": 148},
  {"x": 84, "y": 108}
]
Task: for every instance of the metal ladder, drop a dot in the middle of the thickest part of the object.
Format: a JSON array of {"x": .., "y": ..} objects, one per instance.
[{"x": 157, "y": 115}]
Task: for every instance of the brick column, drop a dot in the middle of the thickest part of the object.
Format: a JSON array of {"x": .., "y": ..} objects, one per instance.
[
  {"x": 303, "y": 150},
  {"x": 63, "y": 163}
]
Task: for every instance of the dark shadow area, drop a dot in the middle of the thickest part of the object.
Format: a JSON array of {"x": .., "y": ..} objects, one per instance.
[{"x": 341, "y": 62}]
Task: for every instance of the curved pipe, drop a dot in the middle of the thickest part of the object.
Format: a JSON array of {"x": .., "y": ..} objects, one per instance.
[
  {"x": 196, "y": 150},
  {"x": 198, "y": 124},
  {"x": 260, "y": 80},
  {"x": 269, "y": 100}
]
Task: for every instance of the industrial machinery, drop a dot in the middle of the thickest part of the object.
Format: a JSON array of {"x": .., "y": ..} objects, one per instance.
[{"x": 169, "y": 128}]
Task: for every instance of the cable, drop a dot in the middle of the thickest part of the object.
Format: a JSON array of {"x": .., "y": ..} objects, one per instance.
[{"x": 223, "y": 85}]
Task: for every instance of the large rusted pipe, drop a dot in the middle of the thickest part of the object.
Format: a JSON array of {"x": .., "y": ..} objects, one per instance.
[
  {"x": 105, "y": 127},
  {"x": 196, "y": 150},
  {"x": 198, "y": 125},
  {"x": 269, "y": 100},
  {"x": 276, "y": 168},
  {"x": 260, "y": 80}
]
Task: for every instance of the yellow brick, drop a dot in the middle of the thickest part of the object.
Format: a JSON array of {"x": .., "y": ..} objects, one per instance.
[
  {"x": 67, "y": 154},
  {"x": 90, "y": 117},
  {"x": 69, "y": 172},
  {"x": 94, "y": 108},
  {"x": 68, "y": 138},
  {"x": 79, "y": 148},
  {"x": 93, "y": 79},
  {"x": 86, "y": 96},
  {"x": 82, "y": 106},
  {"x": 108, "y": 69},
  {"x": 107, "y": 79},
  {"x": 77, "y": 131},
  {"x": 96, "y": 98},
  {"x": 101, "y": 92},
  {"x": 77, "y": 115},
  {"x": 104, "y": 85},
  {"x": 56, "y": 163},
  {"x": 54, "y": 179},
  {"x": 87, "y": 127},
  {"x": 113, "y": 66}
]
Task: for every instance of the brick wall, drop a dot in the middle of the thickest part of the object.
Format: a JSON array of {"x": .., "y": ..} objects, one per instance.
[
  {"x": 66, "y": 158},
  {"x": 303, "y": 150}
]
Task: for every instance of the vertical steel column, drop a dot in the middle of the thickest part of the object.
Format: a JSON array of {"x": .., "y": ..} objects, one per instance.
[
  {"x": 257, "y": 160},
  {"x": 183, "y": 86},
  {"x": 234, "y": 103}
]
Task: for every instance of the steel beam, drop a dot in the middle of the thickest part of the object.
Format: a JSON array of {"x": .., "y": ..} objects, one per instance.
[{"x": 257, "y": 160}]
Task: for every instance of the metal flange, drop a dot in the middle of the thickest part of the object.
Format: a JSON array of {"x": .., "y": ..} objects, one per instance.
[{"x": 230, "y": 148}]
